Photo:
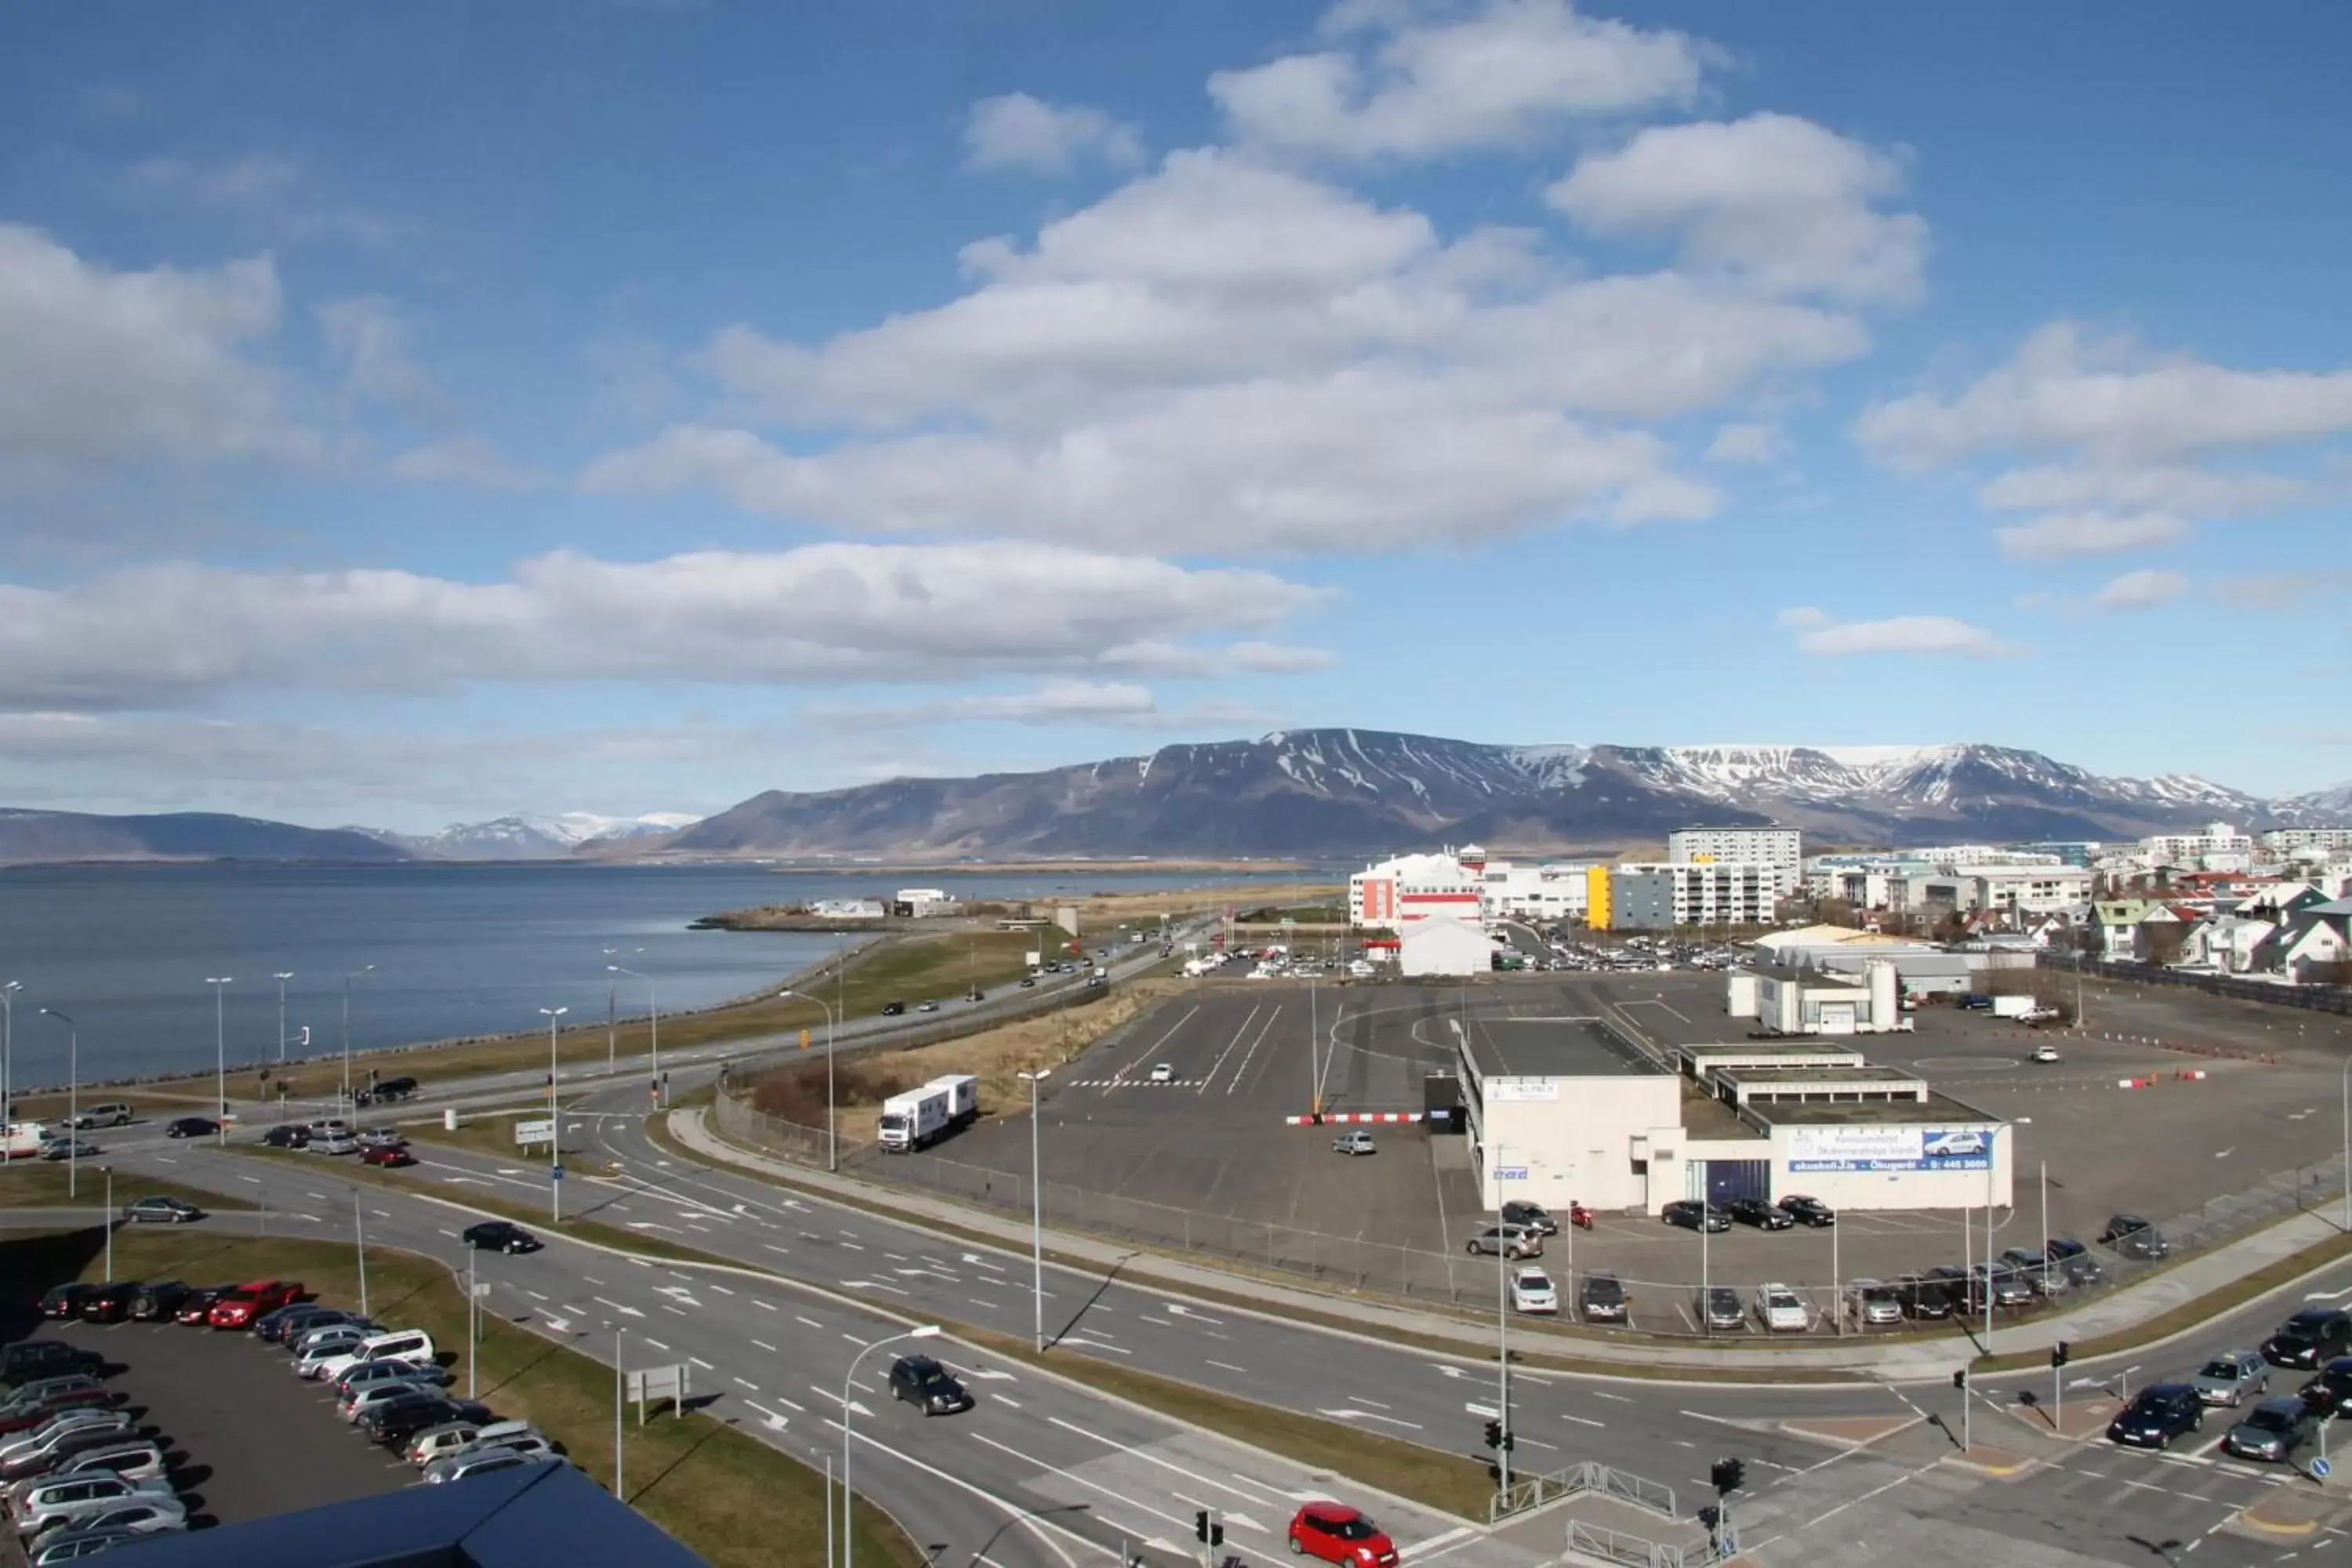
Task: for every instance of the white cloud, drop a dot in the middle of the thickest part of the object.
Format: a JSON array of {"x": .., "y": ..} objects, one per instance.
[
  {"x": 257, "y": 177},
  {"x": 2283, "y": 590},
  {"x": 1015, "y": 131},
  {"x": 264, "y": 188},
  {"x": 1122, "y": 705},
  {"x": 2089, "y": 533},
  {"x": 1817, "y": 633},
  {"x": 105, "y": 366},
  {"x": 1748, "y": 444},
  {"x": 2140, "y": 590},
  {"x": 461, "y": 460},
  {"x": 375, "y": 343},
  {"x": 171, "y": 635},
  {"x": 1504, "y": 76},
  {"x": 2180, "y": 489},
  {"x": 1776, "y": 202},
  {"x": 2111, "y": 399}
]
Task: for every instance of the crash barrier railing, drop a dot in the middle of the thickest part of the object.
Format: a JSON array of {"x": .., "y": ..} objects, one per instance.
[
  {"x": 1533, "y": 1491},
  {"x": 2313, "y": 998},
  {"x": 1615, "y": 1546}
]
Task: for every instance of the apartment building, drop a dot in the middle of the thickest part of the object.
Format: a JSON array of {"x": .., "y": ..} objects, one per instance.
[{"x": 1779, "y": 849}]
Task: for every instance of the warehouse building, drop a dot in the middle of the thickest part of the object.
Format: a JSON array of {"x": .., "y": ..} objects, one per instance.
[
  {"x": 1779, "y": 849},
  {"x": 1445, "y": 945},
  {"x": 1558, "y": 1113}
]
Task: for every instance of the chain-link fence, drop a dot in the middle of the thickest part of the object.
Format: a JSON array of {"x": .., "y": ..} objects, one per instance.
[{"x": 2315, "y": 998}]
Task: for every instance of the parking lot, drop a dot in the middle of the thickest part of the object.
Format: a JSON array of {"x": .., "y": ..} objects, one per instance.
[{"x": 1205, "y": 1162}]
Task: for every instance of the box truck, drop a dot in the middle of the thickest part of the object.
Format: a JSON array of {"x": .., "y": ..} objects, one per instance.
[
  {"x": 2014, "y": 1006},
  {"x": 921, "y": 1116},
  {"x": 23, "y": 1139}
]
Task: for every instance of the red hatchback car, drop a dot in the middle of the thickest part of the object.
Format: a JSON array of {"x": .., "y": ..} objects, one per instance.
[
  {"x": 238, "y": 1306},
  {"x": 1337, "y": 1534},
  {"x": 388, "y": 1154}
]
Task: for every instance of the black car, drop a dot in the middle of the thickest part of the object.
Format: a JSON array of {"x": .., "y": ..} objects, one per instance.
[
  {"x": 1807, "y": 1211},
  {"x": 28, "y": 1358},
  {"x": 64, "y": 1300},
  {"x": 276, "y": 1328},
  {"x": 894, "y": 1009},
  {"x": 2075, "y": 1260},
  {"x": 157, "y": 1299},
  {"x": 110, "y": 1302},
  {"x": 397, "y": 1419},
  {"x": 1719, "y": 1308},
  {"x": 2157, "y": 1415},
  {"x": 1532, "y": 1216},
  {"x": 2133, "y": 1236},
  {"x": 1691, "y": 1214},
  {"x": 1923, "y": 1298},
  {"x": 286, "y": 1135},
  {"x": 2331, "y": 1391},
  {"x": 392, "y": 1089},
  {"x": 2311, "y": 1336},
  {"x": 1602, "y": 1298},
  {"x": 927, "y": 1385},
  {"x": 2272, "y": 1431},
  {"x": 192, "y": 1127},
  {"x": 1760, "y": 1214},
  {"x": 501, "y": 1235},
  {"x": 159, "y": 1209}
]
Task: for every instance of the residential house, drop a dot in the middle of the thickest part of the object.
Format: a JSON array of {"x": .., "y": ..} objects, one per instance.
[
  {"x": 2311, "y": 945},
  {"x": 2227, "y": 945},
  {"x": 2122, "y": 927}
]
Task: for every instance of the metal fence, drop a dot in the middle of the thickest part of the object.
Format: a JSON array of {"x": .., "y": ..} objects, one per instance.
[
  {"x": 2313, "y": 998},
  {"x": 1604, "y": 1545}
]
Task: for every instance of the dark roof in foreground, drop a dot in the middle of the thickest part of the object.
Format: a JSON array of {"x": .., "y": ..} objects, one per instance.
[{"x": 549, "y": 1514}]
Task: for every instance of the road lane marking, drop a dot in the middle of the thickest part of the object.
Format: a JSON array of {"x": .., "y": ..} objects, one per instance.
[
  {"x": 766, "y": 1346},
  {"x": 812, "y": 1323},
  {"x": 702, "y": 1363},
  {"x": 1146, "y": 1454},
  {"x": 657, "y": 1344},
  {"x": 632, "y": 1311},
  {"x": 769, "y": 1305},
  {"x": 1228, "y": 1366},
  {"x": 1082, "y": 1480}
]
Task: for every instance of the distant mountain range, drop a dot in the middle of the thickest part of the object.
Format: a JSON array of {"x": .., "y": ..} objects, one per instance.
[
  {"x": 524, "y": 838},
  {"x": 1355, "y": 792},
  {"x": 49, "y": 836}
]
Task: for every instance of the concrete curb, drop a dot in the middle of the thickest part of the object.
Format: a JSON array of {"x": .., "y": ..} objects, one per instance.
[
  {"x": 1999, "y": 1469},
  {"x": 2283, "y": 1529}
]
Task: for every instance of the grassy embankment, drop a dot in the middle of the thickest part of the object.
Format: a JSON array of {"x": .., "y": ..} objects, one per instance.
[
  {"x": 731, "y": 1498},
  {"x": 41, "y": 1183}
]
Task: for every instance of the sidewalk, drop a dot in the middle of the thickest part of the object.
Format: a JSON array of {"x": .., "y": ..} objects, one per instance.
[{"x": 1855, "y": 1354}]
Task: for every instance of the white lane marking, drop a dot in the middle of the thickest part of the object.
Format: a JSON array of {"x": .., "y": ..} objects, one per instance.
[
  {"x": 1003, "y": 1399},
  {"x": 1367, "y": 1416},
  {"x": 450, "y": 1234},
  {"x": 535, "y": 1295},
  {"x": 1359, "y": 1399},
  {"x": 781, "y": 1251},
  {"x": 977, "y": 1301},
  {"x": 812, "y": 1323},
  {"x": 632, "y": 1311},
  {"x": 1082, "y": 1480},
  {"x": 676, "y": 1311},
  {"x": 769, "y": 1305},
  {"x": 766, "y": 1346},
  {"x": 1581, "y": 1420},
  {"x": 1154, "y": 1458},
  {"x": 1228, "y": 1366},
  {"x": 1080, "y": 1345},
  {"x": 775, "y": 1422},
  {"x": 1604, "y": 1394},
  {"x": 657, "y": 1343},
  {"x": 593, "y": 1281},
  {"x": 257, "y": 1182},
  {"x": 702, "y": 1363}
]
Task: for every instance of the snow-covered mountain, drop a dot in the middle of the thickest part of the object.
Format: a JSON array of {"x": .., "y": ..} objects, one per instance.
[
  {"x": 2320, "y": 808},
  {"x": 1330, "y": 791},
  {"x": 529, "y": 837}
]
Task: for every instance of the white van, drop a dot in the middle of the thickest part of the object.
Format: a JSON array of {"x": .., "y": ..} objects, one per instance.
[{"x": 401, "y": 1345}]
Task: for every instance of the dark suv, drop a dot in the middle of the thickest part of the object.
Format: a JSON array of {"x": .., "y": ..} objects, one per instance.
[
  {"x": 2311, "y": 1336},
  {"x": 1535, "y": 1216},
  {"x": 111, "y": 1303},
  {"x": 2157, "y": 1415},
  {"x": 2075, "y": 1260},
  {"x": 28, "y": 1358},
  {"x": 1691, "y": 1214},
  {"x": 1760, "y": 1214},
  {"x": 1807, "y": 1211},
  {"x": 1922, "y": 1297},
  {"x": 928, "y": 1386},
  {"x": 157, "y": 1299},
  {"x": 1603, "y": 1297},
  {"x": 2133, "y": 1236}
]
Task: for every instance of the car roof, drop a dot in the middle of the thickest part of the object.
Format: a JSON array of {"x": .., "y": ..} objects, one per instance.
[
  {"x": 2168, "y": 1391},
  {"x": 1335, "y": 1512},
  {"x": 2284, "y": 1405}
]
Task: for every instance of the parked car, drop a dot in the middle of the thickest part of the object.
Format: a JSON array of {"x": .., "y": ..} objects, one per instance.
[
  {"x": 391, "y": 1156},
  {"x": 1807, "y": 1211},
  {"x": 1719, "y": 1307},
  {"x": 2272, "y": 1431},
  {"x": 286, "y": 1135},
  {"x": 368, "y": 1374},
  {"x": 29, "y": 1359},
  {"x": 2045, "y": 1278},
  {"x": 501, "y": 1235},
  {"x": 238, "y": 1306},
  {"x": 928, "y": 1386},
  {"x": 192, "y": 1127},
  {"x": 1510, "y": 1241},
  {"x": 282, "y": 1326},
  {"x": 1692, "y": 1214},
  {"x": 73, "y": 1546},
  {"x": 63, "y": 1501},
  {"x": 1760, "y": 1214},
  {"x": 157, "y": 1299},
  {"x": 110, "y": 1302},
  {"x": 316, "y": 1347},
  {"x": 2157, "y": 1415},
  {"x": 2133, "y": 1236},
  {"x": 1781, "y": 1310},
  {"x": 1532, "y": 1216},
  {"x": 2080, "y": 1264},
  {"x": 36, "y": 1451},
  {"x": 1874, "y": 1303},
  {"x": 482, "y": 1460},
  {"x": 2311, "y": 1336},
  {"x": 134, "y": 1458},
  {"x": 334, "y": 1144},
  {"x": 23, "y": 1417},
  {"x": 440, "y": 1442},
  {"x": 365, "y": 1396},
  {"x": 1602, "y": 1298},
  {"x": 397, "y": 1420},
  {"x": 1356, "y": 1141},
  {"x": 1532, "y": 1291},
  {"x": 2329, "y": 1393},
  {"x": 397, "y": 1344},
  {"x": 1337, "y": 1534},
  {"x": 123, "y": 1522},
  {"x": 2229, "y": 1378},
  {"x": 65, "y": 1301}
]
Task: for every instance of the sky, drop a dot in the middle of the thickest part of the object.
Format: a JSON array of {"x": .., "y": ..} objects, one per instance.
[{"x": 417, "y": 414}]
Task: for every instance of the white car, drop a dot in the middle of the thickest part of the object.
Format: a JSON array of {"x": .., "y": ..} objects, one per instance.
[
  {"x": 1163, "y": 1072},
  {"x": 1781, "y": 1310},
  {"x": 1950, "y": 1143},
  {"x": 1532, "y": 1291},
  {"x": 1356, "y": 1143},
  {"x": 402, "y": 1344},
  {"x": 2045, "y": 1053}
]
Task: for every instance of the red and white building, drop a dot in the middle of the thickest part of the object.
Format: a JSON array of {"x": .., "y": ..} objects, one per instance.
[{"x": 1398, "y": 894}]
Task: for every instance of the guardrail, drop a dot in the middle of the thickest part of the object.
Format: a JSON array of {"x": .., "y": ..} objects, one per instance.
[
  {"x": 1531, "y": 1492},
  {"x": 1615, "y": 1546}
]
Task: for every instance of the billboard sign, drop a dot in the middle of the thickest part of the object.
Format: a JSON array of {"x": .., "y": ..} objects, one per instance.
[
  {"x": 1818, "y": 1148},
  {"x": 1520, "y": 1088},
  {"x": 540, "y": 1131}
]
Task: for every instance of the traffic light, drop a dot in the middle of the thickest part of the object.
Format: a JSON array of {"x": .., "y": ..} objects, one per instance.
[
  {"x": 804, "y": 1040},
  {"x": 1207, "y": 1531},
  {"x": 1960, "y": 1380},
  {"x": 1709, "y": 1516},
  {"x": 1728, "y": 1475},
  {"x": 1494, "y": 1434},
  {"x": 2060, "y": 1355}
]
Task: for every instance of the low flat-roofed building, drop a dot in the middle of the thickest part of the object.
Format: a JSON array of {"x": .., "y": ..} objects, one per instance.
[
  {"x": 1702, "y": 1062},
  {"x": 1863, "y": 1085},
  {"x": 1562, "y": 1112}
]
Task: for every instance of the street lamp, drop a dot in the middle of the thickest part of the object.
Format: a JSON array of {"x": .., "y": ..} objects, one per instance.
[
  {"x": 8, "y": 1051},
  {"x": 831, "y": 1148},
  {"x": 612, "y": 1009},
  {"x": 1036, "y": 1210},
  {"x": 220, "y": 985},
  {"x": 554, "y": 1139},
  {"x": 848, "y": 1496},
  {"x": 354, "y": 974},
  {"x": 281, "y": 977},
  {"x": 1502, "y": 1322},
  {"x": 653, "y": 1003},
  {"x": 2347, "y": 1143},
  {"x": 73, "y": 1099}
]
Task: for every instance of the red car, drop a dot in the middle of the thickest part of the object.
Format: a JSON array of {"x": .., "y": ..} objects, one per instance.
[
  {"x": 238, "y": 1306},
  {"x": 1337, "y": 1534},
  {"x": 389, "y": 1154}
]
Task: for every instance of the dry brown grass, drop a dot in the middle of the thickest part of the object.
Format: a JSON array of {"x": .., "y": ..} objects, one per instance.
[{"x": 1101, "y": 912}]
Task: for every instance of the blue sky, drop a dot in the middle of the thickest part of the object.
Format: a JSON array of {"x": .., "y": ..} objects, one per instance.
[{"x": 415, "y": 414}]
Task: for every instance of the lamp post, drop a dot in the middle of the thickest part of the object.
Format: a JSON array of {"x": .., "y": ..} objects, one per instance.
[
  {"x": 8, "y": 1052},
  {"x": 354, "y": 974},
  {"x": 848, "y": 1494},
  {"x": 653, "y": 1005},
  {"x": 554, "y": 1134},
  {"x": 359, "y": 1242},
  {"x": 831, "y": 1148},
  {"x": 2348, "y": 1143},
  {"x": 220, "y": 984},
  {"x": 612, "y": 1008},
  {"x": 282, "y": 976},
  {"x": 1036, "y": 1213},
  {"x": 73, "y": 1101},
  {"x": 1502, "y": 1325}
]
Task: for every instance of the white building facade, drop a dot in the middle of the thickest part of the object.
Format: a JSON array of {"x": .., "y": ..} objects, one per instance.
[
  {"x": 1656, "y": 895},
  {"x": 1556, "y": 891},
  {"x": 1445, "y": 945},
  {"x": 1781, "y": 849},
  {"x": 2221, "y": 847},
  {"x": 1397, "y": 893}
]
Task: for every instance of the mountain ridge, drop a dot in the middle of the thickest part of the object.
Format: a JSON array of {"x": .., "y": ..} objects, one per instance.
[{"x": 525, "y": 836}]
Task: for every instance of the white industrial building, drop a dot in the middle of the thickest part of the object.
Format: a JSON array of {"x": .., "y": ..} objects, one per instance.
[
  {"x": 1555, "y": 890},
  {"x": 1397, "y": 893},
  {"x": 924, "y": 902},
  {"x": 2306, "y": 842},
  {"x": 1780, "y": 848},
  {"x": 1445, "y": 945},
  {"x": 1808, "y": 1002},
  {"x": 1917, "y": 880}
]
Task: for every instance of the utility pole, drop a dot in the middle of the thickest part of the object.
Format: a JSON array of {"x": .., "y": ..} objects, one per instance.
[
  {"x": 359, "y": 1233},
  {"x": 620, "y": 1382}
]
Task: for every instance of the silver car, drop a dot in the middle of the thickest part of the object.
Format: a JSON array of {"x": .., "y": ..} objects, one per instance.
[
  {"x": 2231, "y": 1377},
  {"x": 1511, "y": 1240},
  {"x": 63, "y": 1500},
  {"x": 477, "y": 1462},
  {"x": 40, "y": 1438},
  {"x": 44, "y": 1454},
  {"x": 138, "y": 1459},
  {"x": 1875, "y": 1303},
  {"x": 73, "y": 1546}
]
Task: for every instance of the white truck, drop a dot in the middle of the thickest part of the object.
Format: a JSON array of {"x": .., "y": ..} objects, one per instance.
[
  {"x": 922, "y": 1116},
  {"x": 23, "y": 1139},
  {"x": 2014, "y": 1006}
]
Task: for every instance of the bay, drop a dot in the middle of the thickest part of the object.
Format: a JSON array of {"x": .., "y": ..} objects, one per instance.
[{"x": 458, "y": 950}]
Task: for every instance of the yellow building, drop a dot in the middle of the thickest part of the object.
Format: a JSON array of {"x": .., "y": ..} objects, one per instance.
[{"x": 1596, "y": 899}]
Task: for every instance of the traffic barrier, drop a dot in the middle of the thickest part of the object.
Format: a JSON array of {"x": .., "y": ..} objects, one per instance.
[{"x": 1343, "y": 1118}]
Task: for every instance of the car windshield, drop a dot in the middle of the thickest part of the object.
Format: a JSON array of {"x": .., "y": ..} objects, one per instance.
[
  {"x": 1781, "y": 1302},
  {"x": 2224, "y": 1368},
  {"x": 1878, "y": 1292},
  {"x": 2151, "y": 1404},
  {"x": 1533, "y": 1282},
  {"x": 2269, "y": 1420},
  {"x": 1354, "y": 1529},
  {"x": 1722, "y": 1299},
  {"x": 1602, "y": 1288}
]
